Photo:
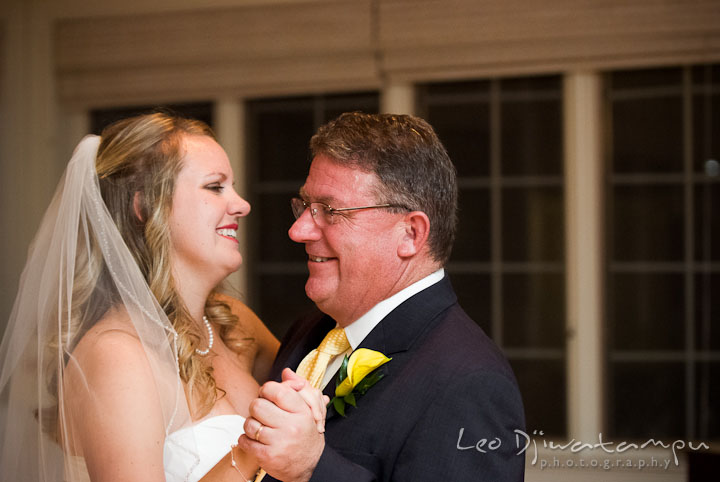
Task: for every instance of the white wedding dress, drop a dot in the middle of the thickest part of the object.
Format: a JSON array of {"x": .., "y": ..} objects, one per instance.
[
  {"x": 190, "y": 452},
  {"x": 210, "y": 439}
]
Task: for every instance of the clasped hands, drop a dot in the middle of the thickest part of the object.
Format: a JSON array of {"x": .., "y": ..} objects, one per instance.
[{"x": 284, "y": 431}]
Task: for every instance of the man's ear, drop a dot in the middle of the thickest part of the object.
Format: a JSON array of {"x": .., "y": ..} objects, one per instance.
[
  {"x": 416, "y": 226},
  {"x": 138, "y": 206}
]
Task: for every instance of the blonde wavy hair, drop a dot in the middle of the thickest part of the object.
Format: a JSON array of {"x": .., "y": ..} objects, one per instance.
[{"x": 137, "y": 165}]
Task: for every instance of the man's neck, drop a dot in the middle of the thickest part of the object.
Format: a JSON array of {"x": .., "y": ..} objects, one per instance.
[
  {"x": 410, "y": 276},
  {"x": 360, "y": 328}
]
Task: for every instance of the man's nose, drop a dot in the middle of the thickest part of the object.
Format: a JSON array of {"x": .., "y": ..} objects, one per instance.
[{"x": 304, "y": 228}]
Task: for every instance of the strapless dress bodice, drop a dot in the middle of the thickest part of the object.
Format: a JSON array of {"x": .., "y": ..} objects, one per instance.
[{"x": 191, "y": 452}]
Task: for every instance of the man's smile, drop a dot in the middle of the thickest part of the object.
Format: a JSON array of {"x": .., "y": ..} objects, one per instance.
[{"x": 318, "y": 259}]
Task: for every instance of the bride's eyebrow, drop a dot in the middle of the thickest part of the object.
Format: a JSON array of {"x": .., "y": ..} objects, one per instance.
[{"x": 210, "y": 176}]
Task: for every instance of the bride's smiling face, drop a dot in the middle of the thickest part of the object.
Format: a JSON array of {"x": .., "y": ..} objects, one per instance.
[{"x": 204, "y": 216}]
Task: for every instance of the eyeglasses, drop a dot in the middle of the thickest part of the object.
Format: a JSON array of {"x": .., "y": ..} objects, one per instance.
[{"x": 324, "y": 215}]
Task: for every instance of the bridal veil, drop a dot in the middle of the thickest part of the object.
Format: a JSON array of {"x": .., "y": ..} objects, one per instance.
[{"x": 78, "y": 267}]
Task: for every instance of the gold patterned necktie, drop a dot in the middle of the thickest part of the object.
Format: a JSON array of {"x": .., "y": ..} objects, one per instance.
[{"x": 313, "y": 366}]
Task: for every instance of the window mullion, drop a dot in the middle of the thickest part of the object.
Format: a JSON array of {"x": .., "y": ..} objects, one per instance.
[
  {"x": 689, "y": 256},
  {"x": 229, "y": 120},
  {"x": 584, "y": 245},
  {"x": 496, "y": 213}
]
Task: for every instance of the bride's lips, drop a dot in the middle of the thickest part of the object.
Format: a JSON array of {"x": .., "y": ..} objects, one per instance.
[{"x": 228, "y": 231}]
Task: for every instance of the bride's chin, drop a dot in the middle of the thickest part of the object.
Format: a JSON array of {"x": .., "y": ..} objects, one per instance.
[{"x": 234, "y": 266}]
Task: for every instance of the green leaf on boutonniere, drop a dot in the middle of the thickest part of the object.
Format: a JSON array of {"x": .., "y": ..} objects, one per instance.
[
  {"x": 342, "y": 375},
  {"x": 368, "y": 382},
  {"x": 339, "y": 405},
  {"x": 350, "y": 398},
  {"x": 357, "y": 374}
]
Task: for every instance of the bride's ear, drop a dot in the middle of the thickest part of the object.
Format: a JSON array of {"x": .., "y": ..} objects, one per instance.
[{"x": 138, "y": 206}]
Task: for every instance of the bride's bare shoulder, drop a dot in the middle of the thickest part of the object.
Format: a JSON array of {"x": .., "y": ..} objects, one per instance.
[
  {"x": 110, "y": 397},
  {"x": 110, "y": 352}
]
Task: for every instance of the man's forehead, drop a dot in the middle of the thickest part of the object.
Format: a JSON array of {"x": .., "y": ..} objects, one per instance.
[
  {"x": 325, "y": 199},
  {"x": 333, "y": 182}
]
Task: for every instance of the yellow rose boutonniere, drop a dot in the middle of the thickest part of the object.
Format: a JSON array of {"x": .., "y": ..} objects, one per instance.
[{"x": 353, "y": 378}]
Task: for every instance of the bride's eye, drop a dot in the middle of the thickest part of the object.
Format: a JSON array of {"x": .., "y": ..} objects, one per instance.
[{"x": 215, "y": 187}]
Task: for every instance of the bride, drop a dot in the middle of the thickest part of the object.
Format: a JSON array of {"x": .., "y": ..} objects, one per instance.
[{"x": 121, "y": 360}]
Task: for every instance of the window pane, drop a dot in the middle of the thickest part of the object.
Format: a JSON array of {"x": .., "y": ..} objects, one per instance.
[
  {"x": 531, "y": 137},
  {"x": 464, "y": 129},
  {"x": 707, "y": 222},
  {"x": 446, "y": 90},
  {"x": 634, "y": 79},
  {"x": 706, "y": 135},
  {"x": 707, "y": 311},
  {"x": 534, "y": 310},
  {"x": 647, "y": 400},
  {"x": 531, "y": 84},
  {"x": 336, "y": 105},
  {"x": 542, "y": 385},
  {"x": 661, "y": 275},
  {"x": 101, "y": 118},
  {"x": 647, "y": 135},
  {"x": 281, "y": 138},
  {"x": 272, "y": 212},
  {"x": 648, "y": 223},
  {"x": 473, "y": 237},
  {"x": 474, "y": 295},
  {"x": 707, "y": 394},
  {"x": 701, "y": 74},
  {"x": 532, "y": 224},
  {"x": 282, "y": 300},
  {"x": 648, "y": 311}
]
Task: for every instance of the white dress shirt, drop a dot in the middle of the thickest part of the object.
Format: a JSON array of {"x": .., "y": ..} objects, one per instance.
[{"x": 360, "y": 328}]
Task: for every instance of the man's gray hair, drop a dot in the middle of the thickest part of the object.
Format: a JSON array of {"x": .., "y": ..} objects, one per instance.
[{"x": 410, "y": 162}]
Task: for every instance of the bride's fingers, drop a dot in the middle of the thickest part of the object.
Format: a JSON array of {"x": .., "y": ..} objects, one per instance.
[{"x": 256, "y": 430}]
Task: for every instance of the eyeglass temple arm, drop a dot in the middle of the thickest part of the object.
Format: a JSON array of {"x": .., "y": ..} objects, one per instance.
[{"x": 363, "y": 207}]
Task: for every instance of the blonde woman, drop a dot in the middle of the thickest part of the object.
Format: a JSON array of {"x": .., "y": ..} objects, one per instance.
[{"x": 121, "y": 359}]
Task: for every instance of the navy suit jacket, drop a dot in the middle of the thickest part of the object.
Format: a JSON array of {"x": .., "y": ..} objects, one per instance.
[{"x": 446, "y": 409}]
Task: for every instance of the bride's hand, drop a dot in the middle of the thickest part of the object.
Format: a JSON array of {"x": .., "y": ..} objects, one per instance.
[{"x": 312, "y": 396}]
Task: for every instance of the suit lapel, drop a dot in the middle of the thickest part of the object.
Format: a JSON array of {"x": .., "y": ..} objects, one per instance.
[
  {"x": 404, "y": 325},
  {"x": 300, "y": 342},
  {"x": 312, "y": 341}
]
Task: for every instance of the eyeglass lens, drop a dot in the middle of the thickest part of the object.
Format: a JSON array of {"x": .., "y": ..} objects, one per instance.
[{"x": 318, "y": 211}]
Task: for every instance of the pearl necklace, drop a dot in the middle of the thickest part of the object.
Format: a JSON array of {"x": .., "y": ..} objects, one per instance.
[{"x": 211, "y": 338}]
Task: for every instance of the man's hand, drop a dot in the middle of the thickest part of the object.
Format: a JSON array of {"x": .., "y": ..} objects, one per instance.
[
  {"x": 282, "y": 431},
  {"x": 313, "y": 397}
]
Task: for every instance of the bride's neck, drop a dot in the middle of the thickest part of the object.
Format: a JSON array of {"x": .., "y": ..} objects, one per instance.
[{"x": 194, "y": 295}]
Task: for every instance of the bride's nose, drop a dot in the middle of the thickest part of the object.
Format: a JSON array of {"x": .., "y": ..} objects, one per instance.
[{"x": 238, "y": 206}]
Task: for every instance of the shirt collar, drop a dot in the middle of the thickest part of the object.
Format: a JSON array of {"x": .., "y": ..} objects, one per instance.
[{"x": 360, "y": 328}]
